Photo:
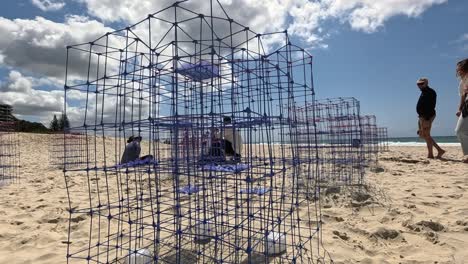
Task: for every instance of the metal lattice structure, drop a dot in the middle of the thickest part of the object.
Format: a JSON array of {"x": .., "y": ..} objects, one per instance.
[
  {"x": 370, "y": 138},
  {"x": 9, "y": 147},
  {"x": 68, "y": 150},
  {"x": 383, "y": 139},
  {"x": 223, "y": 170},
  {"x": 339, "y": 133}
]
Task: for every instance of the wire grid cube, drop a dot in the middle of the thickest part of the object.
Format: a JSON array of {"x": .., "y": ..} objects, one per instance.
[
  {"x": 370, "y": 138},
  {"x": 9, "y": 148},
  {"x": 339, "y": 137},
  {"x": 68, "y": 150},
  {"x": 383, "y": 139},
  {"x": 190, "y": 201}
]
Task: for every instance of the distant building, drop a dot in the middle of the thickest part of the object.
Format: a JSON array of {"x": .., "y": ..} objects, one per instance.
[{"x": 5, "y": 113}]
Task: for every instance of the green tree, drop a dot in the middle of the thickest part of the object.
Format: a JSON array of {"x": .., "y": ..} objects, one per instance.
[
  {"x": 66, "y": 122},
  {"x": 54, "y": 124},
  {"x": 63, "y": 122}
]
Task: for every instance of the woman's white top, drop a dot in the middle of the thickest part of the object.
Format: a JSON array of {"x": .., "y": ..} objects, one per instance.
[
  {"x": 463, "y": 87},
  {"x": 233, "y": 136}
]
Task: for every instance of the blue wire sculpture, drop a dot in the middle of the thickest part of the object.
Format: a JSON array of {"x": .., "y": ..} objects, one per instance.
[{"x": 215, "y": 108}]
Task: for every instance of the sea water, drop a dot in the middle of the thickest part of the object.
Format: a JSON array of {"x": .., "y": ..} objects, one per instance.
[{"x": 416, "y": 141}]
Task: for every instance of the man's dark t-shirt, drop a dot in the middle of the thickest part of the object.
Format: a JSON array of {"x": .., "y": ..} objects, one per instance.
[{"x": 427, "y": 103}]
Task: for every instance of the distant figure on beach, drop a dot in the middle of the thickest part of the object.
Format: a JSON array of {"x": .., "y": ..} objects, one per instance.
[
  {"x": 426, "y": 112},
  {"x": 462, "y": 125},
  {"x": 132, "y": 150},
  {"x": 205, "y": 142}
]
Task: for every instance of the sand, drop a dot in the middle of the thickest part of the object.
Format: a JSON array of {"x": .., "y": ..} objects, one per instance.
[
  {"x": 413, "y": 191},
  {"x": 418, "y": 212}
]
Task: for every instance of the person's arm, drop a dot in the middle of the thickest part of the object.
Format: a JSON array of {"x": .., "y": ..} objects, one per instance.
[
  {"x": 433, "y": 102},
  {"x": 460, "y": 105}
]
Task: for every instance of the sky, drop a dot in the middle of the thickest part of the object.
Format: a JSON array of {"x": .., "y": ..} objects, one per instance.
[{"x": 371, "y": 50}]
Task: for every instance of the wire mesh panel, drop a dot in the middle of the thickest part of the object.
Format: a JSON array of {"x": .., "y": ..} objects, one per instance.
[
  {"x": 193, "y": 153},
  {"x": 68, "y": 149},
  {"x": 9, "y": 147},
  {"x": 383, "y": 139},
  {"x": 370, "y": 138},
  {"x": 339, "y": 135}
]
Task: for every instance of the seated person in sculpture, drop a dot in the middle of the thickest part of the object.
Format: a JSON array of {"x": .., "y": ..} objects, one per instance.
[
  {"x": 205, "y": 142},
  {"x": 132, "y": 151},
  {"x": 229, "y": 140}
]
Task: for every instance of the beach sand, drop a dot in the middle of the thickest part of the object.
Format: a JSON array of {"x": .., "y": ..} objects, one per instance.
[{"x": 418, "y": 212}]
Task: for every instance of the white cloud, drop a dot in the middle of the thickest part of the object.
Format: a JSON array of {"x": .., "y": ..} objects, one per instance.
[
  {"x": 460, "y": 43},
  {"x": 48, "y": 5},
  {"x": 303, "y": 18},
  {"x": 369, "y": 15},
  {"x": 38, "y": 45},
  {"x": 21, "y": 92},
  {"x": 259, "y": 15},
  {"x": 306, "y": 19},
  {"x": 463, "y": 41},
  {"x": 29, "y": 101},
  {"x": 464, "y": 37}
]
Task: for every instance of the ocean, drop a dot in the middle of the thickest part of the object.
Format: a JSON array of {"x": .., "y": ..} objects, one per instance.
[{"x": 415, "y": 141}]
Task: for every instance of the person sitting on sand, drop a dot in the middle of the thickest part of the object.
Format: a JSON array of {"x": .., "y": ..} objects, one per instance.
[
  {"x": 426, "y": 111},
  {"x": 229, "y": 140},
  {"x": 232, "y": 139},
  {"x": 461, "y": 129},
  {"x": 132, "y": 150},
  {"x": 205, "y": 140}
]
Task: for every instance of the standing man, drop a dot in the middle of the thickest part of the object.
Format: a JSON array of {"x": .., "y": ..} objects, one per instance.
[{"x": 426, "y": 111}]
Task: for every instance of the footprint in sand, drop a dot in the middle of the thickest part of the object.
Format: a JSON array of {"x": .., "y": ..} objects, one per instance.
[
  {"x": 456, "y": 196},
  {"x": 434, "y": 226},
  {"x": 78, "y": 219},
  {"x": 40, "y": 207},
  {"x": 410, "y": 206},
  {"x": 385, "y": 233},
  {"x": 339, "y": 219},
  {"x": 434, "y": 204},
  {"x": 53, "y": 221},
  {"x": 17, "y": 222},
  {"x": 462, "y": 223},
  {"x": 47, "y": 256},
  {"x": 432, "y": 237},
  {"x": 429, "y": 228},
  {"x": 341, "y": 235}
]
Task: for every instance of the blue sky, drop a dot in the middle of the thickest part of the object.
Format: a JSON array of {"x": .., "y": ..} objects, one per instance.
[
  {"x": 378, "y": 65},
  {"x": 381, "y": 69}
]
